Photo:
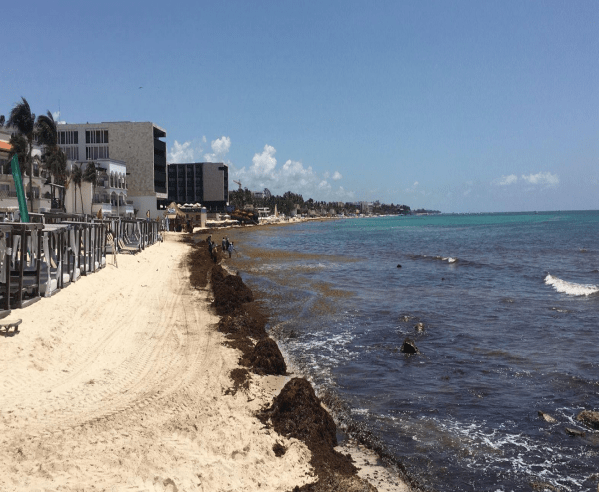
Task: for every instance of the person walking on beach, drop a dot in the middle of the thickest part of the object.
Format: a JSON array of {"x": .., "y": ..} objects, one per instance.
[
  {"x": 224, "y": 244},
  {"x": 214, "y": 252},
  {"x": 230, "y": 249},
  {"x": 227, "y": 244}
]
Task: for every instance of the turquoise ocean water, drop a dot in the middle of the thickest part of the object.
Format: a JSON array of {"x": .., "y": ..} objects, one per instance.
[{"x": 509, "y": 304}]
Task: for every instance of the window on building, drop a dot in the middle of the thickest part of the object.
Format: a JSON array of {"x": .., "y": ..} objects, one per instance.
[
  {"x": 93, "y": 153},
  {"x": 72, "y": 153},
  {"x": 96, "y": 136},
  {"x": 68, "y": 137}
]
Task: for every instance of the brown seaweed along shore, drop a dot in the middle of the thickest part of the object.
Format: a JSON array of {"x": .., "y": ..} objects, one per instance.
[{"x": 296, "y": 412}]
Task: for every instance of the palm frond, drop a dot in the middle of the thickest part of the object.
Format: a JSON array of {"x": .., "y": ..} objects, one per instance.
[
  {"x": 22, "y": 119},
  {"x": 76, "y": 176},
  {"x": 90, "y": 174},
  {"x": 46, "y": 130}
]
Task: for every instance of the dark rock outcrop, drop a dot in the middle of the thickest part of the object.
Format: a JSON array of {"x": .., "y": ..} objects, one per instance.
[
  {"x": 589, "y": 418},
  {"x": 409, "y": 347}
]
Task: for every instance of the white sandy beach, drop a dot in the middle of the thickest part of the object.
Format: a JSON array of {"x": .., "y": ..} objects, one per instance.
[{"x": 117, "y": 383}]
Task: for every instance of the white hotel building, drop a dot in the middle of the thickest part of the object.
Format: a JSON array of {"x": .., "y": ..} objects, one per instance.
[{"x": 132, "y": 161}]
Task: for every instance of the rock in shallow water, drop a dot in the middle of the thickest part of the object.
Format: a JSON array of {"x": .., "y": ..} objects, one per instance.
[
  {"x": 574, "y": 432},
  {"x": 589, "y": 418},
  {"x": 547, "y": 418},
  {"x": 409, "y": 347}
]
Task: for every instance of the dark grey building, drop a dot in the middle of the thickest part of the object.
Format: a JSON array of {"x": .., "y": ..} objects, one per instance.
[{"x": 206, "y": 183}]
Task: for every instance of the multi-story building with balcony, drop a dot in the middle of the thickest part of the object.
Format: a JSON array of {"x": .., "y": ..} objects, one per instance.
[
  {"x": 108, "y": 194},
  {"x": 206, "y": 183},
  {"x": 42, "y": 197},
  {"x": 136, "y": 144}
]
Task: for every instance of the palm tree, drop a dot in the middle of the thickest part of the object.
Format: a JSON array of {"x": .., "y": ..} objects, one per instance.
[
  {"x": 46, "y": 130},
  {"x": 53, "y": 156},
  {"x": 76, "y": 179},
  {"x": 2, "y": 120},
  {"x": 90, "y": 175},
  {"x": 18, "y": 145},
  {"x": 23, "y": 120}
]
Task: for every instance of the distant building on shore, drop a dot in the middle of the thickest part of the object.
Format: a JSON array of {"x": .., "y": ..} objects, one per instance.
[
  {"x": 137, "y": 145},
  {"x": 202, "y": 182}
]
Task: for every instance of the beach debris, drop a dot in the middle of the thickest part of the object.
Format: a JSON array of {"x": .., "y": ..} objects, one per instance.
[
  {"x": 168, "y": 485},
  {"x": 546, "y": 417},
  {"x": 266, "y": 358},
  {"x": 544, "y": 486},
  {"x": 279, "y": 449},
  {"x": 297, "y": 412},
  {"x": 229, "y": 291},
  {"x": 241, "y": 380},
  {"x": 409, "y": 347},
  {"x": 574, "y": 432},
  {"x": 419, "y": 327},
  {"x": 589, "y": 418}
]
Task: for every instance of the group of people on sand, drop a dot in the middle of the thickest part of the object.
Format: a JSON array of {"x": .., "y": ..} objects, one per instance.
[{"x": 226, "y": 245}]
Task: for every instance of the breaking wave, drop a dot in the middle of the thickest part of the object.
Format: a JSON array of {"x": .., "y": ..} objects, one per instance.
[
  {"x": 571, "y": 288},
  {"x": 448, "y": 259}
]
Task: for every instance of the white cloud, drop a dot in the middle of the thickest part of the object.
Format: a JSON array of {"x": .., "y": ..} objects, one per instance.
[
  {"x": 56, "y": 116},
  {"x": 220, "y": 148},
  {"x": 546, "y": 179},
  {"x": 336, "y": 176},
  {"x": 183, "y": 152},
  {"x": 291, "y": 176},
  {"x": 413, "y": 188},
  {"x": 508, "y": 180},
  {"x": 263, "y": 165},
  {"x": 541, "y": 179}
]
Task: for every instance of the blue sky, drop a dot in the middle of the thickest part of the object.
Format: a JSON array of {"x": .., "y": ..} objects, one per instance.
[{"x": 463, "y": 106}]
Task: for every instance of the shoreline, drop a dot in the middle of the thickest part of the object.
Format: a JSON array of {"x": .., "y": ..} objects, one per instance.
[
  {"x": 365, "y": 452},
  {"x": 123, "y": 381}
]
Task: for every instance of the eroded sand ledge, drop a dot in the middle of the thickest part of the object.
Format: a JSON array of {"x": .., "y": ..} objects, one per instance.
[{"x": 118, "y": 383}]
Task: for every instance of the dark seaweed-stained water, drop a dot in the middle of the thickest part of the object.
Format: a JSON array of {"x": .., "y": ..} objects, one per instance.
[{"x": 509, "y": 304}]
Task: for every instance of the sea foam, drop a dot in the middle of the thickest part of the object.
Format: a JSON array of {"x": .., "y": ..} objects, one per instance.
[{"x": 571, "y": 288}]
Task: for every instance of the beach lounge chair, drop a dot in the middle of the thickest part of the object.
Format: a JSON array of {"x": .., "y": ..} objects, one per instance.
[{"x": 7, "y": 324}]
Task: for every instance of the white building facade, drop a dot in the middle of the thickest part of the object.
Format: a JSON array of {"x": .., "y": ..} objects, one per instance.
[{"x": 138, "y": 146}]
